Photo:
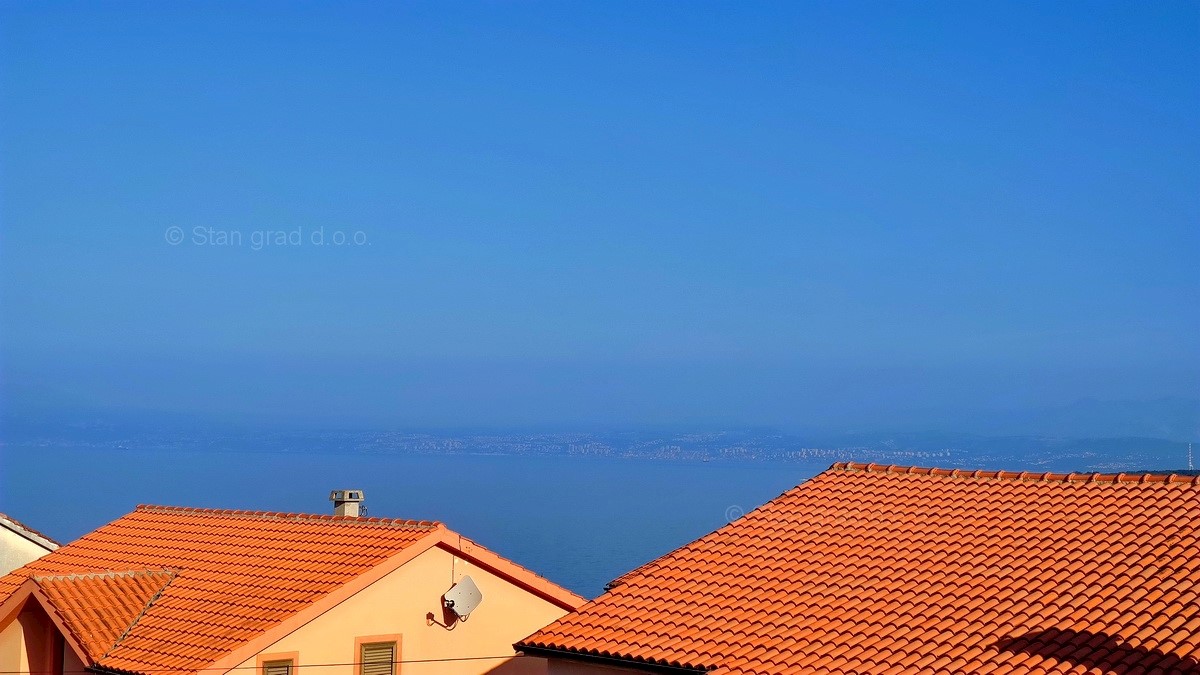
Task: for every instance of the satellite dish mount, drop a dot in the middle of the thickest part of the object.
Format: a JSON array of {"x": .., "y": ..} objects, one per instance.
[{"x": 461, "y": 599}]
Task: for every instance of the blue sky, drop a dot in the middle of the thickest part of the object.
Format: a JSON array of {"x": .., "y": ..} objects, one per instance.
[{"x": 597, "y": 213}]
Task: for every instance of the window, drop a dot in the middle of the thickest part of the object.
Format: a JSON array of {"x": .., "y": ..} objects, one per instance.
[
  {"x": 278, "y": 663},
  {"x": 277, "y": 667},
  {"x": 377, "y": 658}
]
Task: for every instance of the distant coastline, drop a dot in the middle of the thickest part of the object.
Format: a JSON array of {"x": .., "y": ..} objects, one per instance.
[{"x": 734, "y": 446}]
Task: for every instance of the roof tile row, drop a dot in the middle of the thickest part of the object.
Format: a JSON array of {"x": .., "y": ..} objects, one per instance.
[
  {"x": 869, "y": 570},
  {"x": 168, "y": 588}
]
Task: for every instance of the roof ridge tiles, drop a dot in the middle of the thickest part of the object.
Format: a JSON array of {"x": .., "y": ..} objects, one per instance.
[
  {"x": 290, "y": 516},
  {"x": 247, "y": 569},
  {"x": 30, "y": 530},
  {"x": 145, "y": 608},
  {"x": 106, "y": 574},
  {"x": 1025, "y": 476},
  {"x": 882, "y": 569}
]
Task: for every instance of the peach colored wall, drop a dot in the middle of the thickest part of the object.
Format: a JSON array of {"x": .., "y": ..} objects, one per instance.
[
  {"x": 28, "y": 643},
  {"x": 12, "y": 648},
  {"x": 398, "y": 604}
]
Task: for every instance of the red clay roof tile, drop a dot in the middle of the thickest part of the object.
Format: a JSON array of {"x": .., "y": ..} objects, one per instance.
[
  {"x": 236, "y": 574},
  {"x": 99, "y": 608},
  {"x": 866, "y": 570}
]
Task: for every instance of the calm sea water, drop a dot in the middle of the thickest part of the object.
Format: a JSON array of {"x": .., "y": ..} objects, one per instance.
[{"x": 578, "y": 521}]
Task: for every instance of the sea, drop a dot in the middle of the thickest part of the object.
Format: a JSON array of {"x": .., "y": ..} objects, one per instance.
[{"x": 579, "y": 521}]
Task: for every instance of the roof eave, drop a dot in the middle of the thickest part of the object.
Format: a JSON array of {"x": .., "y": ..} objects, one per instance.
[
  {"x": 614, "y": 661},
  {"x": 438, "y": 536},
  {"x": 34, "y": 536},
  {"x": 29, "y": 591},
  {"x": 512, "y": 572}
]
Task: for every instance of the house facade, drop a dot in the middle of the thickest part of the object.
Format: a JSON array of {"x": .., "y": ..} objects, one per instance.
[
  {"x": 168, "y": 590},
  {"x": 20, "y": 544},
  {"x": 886, "y": 570}
]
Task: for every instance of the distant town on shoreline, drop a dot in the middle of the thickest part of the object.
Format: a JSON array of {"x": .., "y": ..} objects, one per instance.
[{"x": 1027, "y": 452}]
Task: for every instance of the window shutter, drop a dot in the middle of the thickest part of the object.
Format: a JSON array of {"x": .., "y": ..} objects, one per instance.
[
  {"x": 277, "y": 668},
  {"x": 378, "y": 658}
]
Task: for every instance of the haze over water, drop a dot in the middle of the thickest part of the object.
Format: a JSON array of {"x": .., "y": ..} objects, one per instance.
[
  {"x": 887, "y": 222},
  {"x": 580, "y": 521}
]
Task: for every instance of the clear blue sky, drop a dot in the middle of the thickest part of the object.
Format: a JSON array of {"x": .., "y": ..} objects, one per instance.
[{"x": 610, "y": 213}]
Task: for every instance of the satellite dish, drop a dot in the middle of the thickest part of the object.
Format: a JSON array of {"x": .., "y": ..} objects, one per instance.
[{"x": 462, "y": 598}]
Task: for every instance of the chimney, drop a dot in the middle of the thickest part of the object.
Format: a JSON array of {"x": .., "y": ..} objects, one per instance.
[{"x": 346, "y": 502}]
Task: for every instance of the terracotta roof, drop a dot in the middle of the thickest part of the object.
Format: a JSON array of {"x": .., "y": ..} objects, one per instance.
[
  {"x": 869, "y": 570},
  {"x": 99, "y": 608},
  {"x": 239, "y": 573}
]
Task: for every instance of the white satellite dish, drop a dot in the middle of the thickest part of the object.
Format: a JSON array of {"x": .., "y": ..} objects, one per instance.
[{"x": 462, "y": 598}]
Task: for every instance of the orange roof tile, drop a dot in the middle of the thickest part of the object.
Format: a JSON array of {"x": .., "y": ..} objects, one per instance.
[
  {"x": 98, "y": 608},
  {"x": 237, "y": 574},
  {"x": 868, "y": 570}
]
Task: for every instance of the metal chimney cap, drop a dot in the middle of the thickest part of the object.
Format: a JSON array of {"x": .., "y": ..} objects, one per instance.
[{"x": 346, "y": 496}]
